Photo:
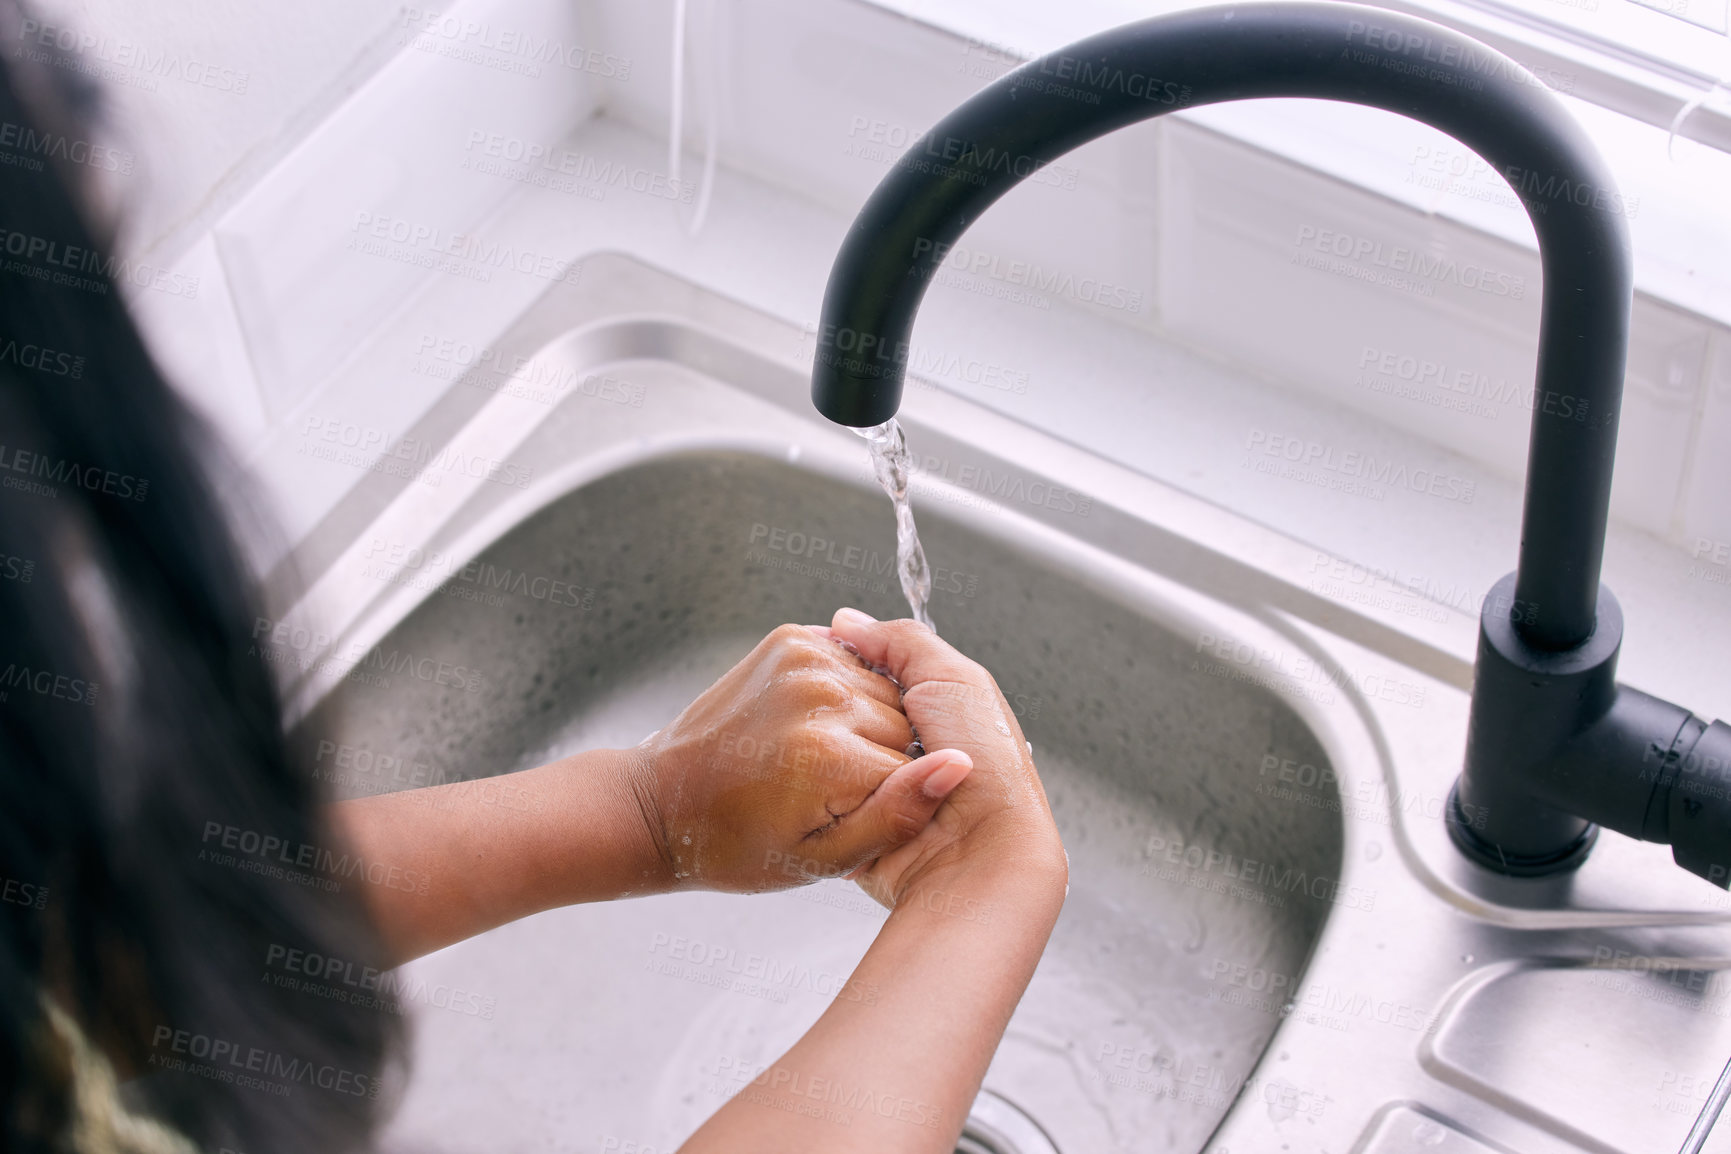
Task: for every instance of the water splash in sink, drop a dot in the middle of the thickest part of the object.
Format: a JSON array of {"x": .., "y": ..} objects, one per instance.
[{"x": 894, "y": 466}]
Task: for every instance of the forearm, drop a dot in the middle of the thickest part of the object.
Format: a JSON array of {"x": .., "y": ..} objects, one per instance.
[
  {"x": 896, "y": 1061},
  {"x": 490, "y": 851}
]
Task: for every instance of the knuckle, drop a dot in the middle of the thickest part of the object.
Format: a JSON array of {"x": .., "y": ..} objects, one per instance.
[
  {"x": 788, "y": 630},
  {"x": 804, "y": 653},
  {"x": 925, "y": 700},
  {"x": 974, "y": 672},
  {"x": 903, "y": 825},
  {"x": 790, "y": 638},
  {"x": 816, "y": 683},
  {"x": 901, "y": 730},
  {"x": 874, "y": 687}
]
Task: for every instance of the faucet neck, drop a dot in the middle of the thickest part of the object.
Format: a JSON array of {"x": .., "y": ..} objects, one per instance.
[{"x": 1329, "y": 51}]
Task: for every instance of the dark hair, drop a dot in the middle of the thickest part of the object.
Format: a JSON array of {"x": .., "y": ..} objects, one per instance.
[{"x": 134, "y": 721}]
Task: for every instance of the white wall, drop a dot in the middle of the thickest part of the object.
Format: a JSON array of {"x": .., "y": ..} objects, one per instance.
[
  {"x": 1191, "y": 223},
  {"x": 211, "y": 94},
  {"x": 1189, "y": 220}
]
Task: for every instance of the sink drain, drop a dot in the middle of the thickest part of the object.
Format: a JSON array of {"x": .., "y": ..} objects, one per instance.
[{"x": 996, "y": 1126}]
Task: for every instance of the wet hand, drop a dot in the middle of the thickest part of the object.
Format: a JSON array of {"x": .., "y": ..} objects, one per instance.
[
  {"x": 790, "y": 768},
  {"x": 998, "y": 818}
]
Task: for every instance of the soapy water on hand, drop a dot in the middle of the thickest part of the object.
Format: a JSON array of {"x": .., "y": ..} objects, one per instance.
[{"x": 914, "y": 749}]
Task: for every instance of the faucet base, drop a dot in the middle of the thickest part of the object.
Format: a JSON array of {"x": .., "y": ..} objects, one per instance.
[
  {"x": 1496, "y": 858},
  {"x": 1556, "y": 750},
  {"x": 1513, "y": 808}
]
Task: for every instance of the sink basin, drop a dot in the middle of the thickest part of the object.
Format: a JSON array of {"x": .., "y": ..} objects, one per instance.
[
  {"x": 619, "y": 1014},
  {"x": 1269, "y": 943}
]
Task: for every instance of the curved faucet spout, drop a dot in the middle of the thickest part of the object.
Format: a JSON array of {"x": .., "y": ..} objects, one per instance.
[
  {"x": 1329, "y": 51},
  {"x": 1555, "y": 746}
]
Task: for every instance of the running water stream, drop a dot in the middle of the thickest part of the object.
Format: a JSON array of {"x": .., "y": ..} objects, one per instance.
[{"x": 894, "y": 467}]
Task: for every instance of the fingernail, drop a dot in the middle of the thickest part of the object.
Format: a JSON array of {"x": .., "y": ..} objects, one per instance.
[
  {"x": 941, "y": 782},
  {"x": 855, "y": 617}
]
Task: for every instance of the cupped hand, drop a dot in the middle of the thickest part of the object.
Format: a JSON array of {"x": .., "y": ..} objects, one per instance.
[
  {"x": 998, "y": 817},
  {"x": 790, "y": 768}
]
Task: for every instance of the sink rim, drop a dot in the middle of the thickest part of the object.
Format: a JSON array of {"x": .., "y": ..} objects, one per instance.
[{"x": 1284, "y": 940}]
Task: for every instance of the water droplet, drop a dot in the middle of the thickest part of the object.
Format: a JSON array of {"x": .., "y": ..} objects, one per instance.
[
  {"x": 1467, "y": 958},
  {"x": 1372, "y": 850},
  {"x": 1429, "y": 1133},
  {"x": 1198, "y": 933}
]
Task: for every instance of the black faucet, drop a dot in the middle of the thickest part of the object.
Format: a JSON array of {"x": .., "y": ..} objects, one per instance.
[{"x": 1555, "y": 747}]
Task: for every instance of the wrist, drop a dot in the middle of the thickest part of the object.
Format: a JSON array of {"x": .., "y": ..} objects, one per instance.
[
  {"x": 1031, "y": 879},
  {"x": 638, "y": 776}
]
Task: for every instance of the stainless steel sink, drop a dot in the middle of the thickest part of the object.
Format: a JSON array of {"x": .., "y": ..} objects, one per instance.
[
  {"x": 686, "y": 562},
  {"x": 1268, "y": 944}
]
